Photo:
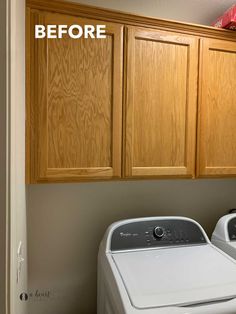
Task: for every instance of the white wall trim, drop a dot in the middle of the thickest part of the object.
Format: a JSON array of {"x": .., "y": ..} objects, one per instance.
[
  {"x": 4, "y": 156},
  {"x": 17, "y": 216},
  {"x": 12, "y": 154}
]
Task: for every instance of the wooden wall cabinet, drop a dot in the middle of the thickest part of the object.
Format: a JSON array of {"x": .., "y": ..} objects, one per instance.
[
  {"x": 160, "y": 103},
  {"x": 74, "y": 103},
  {"x": 127, "y": 106},
  {"x": 217, "y": 109}
]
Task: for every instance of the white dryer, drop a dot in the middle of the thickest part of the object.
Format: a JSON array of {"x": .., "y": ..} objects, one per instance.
[
  {"x": 224, "y": 235},
  {"x": 163, "y": 265}
]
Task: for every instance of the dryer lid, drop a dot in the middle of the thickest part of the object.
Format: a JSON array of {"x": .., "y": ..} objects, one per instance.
[{"x": 176, "y": 276}]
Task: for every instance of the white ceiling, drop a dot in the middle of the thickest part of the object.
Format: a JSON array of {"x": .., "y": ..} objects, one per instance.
[{"x": 192, "y": 11}]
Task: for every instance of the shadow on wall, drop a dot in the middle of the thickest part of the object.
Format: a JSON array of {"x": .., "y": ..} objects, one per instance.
[{"x": 66, "y": 223}]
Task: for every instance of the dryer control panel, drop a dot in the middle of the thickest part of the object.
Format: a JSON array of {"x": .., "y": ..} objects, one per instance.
[{"x": 156, "y": 233}]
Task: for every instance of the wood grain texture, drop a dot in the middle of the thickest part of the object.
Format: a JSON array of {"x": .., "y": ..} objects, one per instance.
[
  {"x": 29, "y": 124},
  {"x": 31, "y": 91},
  {"x": 79, "y": 102},
  {"x": 78, "y": 106},
  {"x": 69, "y": 138},
  {"x": 86, "y": 11},
  {"x": 217, "y": 109},
  {"x": 160, "y": 124}
]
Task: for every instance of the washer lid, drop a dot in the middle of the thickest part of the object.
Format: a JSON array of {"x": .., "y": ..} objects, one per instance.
[{"x": 176, "y": 276}]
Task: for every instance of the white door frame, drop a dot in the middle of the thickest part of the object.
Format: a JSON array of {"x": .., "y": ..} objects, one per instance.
[
  {"x": 12, "y": 156},
  {"x": 4, "y": 158},
  {"x": 18, "y": 239}
]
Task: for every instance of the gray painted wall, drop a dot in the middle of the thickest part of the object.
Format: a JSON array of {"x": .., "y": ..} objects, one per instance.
[{"x": 66, "y": 221}]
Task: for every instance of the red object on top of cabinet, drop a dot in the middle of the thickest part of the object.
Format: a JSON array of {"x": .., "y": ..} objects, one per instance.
[{"x": 227, "y": 20}]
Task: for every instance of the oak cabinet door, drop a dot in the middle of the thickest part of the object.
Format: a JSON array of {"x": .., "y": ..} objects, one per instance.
[
  {"x": 74, "y": 111},
  {"x": 217, "y": 109},
  {"x": 160, "y": 103}
]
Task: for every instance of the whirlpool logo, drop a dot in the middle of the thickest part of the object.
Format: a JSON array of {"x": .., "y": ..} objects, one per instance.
[
  {"x": 126, "y": 235},
  {"x": 74, "y": 31}
]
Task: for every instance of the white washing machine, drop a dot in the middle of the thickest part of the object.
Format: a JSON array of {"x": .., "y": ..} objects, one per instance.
[
  {"x": 224, "y": 235},
  {"x": 163, "y": 265}
]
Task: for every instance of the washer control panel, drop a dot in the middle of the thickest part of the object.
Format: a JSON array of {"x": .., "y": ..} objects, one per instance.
[
  {"x": 232, "y": 229},
  {"x": 156, "y": 233}
]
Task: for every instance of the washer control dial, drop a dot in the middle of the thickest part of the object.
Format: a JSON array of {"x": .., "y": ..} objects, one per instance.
[{"x": 158, "y": 232}]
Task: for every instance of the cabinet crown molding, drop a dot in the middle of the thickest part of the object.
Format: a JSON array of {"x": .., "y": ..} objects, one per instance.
[{"x": 81, "y": 10}]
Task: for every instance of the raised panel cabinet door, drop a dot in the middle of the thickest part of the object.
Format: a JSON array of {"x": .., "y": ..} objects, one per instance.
[
  {"x": 217, "y": 109},
  {"x": 160, "y": 103},
  {"x": 74, "y": 97}
]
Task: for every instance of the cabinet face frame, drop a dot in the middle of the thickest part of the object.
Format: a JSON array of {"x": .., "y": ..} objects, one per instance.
[
  {"x": 188, "y": 170},
  {"x": 203, "y": 170},
  {"x": 36, "y": 122}
]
